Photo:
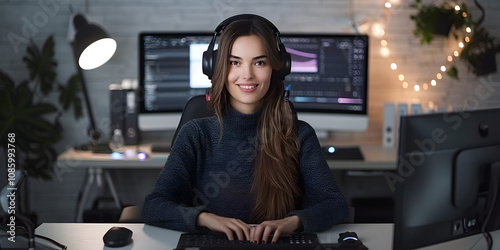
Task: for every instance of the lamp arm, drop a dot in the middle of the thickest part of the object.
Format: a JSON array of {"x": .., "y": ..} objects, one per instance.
[{"x": 93, "y": 132}]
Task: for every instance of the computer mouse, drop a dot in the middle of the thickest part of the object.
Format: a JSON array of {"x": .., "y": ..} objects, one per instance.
[
  {"x": 349, "y": 239},
  {"x": 117, "y": 237}
]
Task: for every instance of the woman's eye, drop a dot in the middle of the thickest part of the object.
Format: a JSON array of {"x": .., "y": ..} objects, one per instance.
[
  {"x": 259, "y": 63},
  {"x": 234, "y": 63}
]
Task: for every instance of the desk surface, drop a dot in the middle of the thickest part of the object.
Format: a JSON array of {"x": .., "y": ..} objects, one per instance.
[
  {"x": 86, "y": 236},
  {"x": 376, "y": 158}
]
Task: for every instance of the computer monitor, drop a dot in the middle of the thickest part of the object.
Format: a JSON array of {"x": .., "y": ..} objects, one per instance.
[
  {"x": 448, "y": 175},
  {"x": 328, "y": 78},
  {"x": 170, "y": 73}
]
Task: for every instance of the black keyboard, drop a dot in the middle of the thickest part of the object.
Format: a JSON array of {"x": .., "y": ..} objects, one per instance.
[{"x": 213, "y": 240}]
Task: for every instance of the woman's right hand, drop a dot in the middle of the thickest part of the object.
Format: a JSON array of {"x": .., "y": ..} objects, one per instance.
[{"x": 229, "y": 226}]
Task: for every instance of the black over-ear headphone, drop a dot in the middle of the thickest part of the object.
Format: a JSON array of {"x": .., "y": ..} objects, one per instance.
[{"x": 210, "y": 56}]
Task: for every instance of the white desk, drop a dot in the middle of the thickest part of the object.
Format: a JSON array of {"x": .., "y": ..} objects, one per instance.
[
  {"x": 376, "y": 158},
  {"x": 86, "y": 236}
]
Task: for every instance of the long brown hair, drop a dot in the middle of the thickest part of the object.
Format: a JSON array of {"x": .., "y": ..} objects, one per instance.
[{"x": 276, "y": 178}]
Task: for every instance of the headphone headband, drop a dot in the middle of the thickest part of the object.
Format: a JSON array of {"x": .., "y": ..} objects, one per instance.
[
  {"x": 210, "y": 56},
  {"x": 229, "y": 20}
]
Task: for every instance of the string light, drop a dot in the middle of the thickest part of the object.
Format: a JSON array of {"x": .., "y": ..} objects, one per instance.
[{"x": 378, "y": 30}]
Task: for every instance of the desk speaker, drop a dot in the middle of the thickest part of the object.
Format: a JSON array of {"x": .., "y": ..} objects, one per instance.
[
  {"x": 388, "y": 131},
  {"x": 131, "y": 121},
  {"x": 117, "y": 107},
  {"x": 124, "y": 111}
]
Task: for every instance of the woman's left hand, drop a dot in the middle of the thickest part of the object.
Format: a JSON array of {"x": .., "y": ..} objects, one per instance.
[{"x": 277, "y": 228}]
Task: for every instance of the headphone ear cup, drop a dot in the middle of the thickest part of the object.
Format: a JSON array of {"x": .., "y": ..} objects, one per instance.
[
  {"x": 208, "y": 63},
  {"x": 286, "y": 60}
]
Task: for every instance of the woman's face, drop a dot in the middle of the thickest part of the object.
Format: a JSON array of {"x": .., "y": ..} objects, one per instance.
[{"x": 249, "y": 74}]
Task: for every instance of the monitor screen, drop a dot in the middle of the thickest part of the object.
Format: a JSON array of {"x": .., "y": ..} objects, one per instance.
[
  {"x": 448, "y": 167},
  {"x": 328, "y": 78}
]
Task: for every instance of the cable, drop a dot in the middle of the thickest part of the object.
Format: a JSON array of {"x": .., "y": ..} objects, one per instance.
[
  {"x": 482, "y": 12},
  {"x": 493, "y": 188},
  {"x": 62, "y": 246}
]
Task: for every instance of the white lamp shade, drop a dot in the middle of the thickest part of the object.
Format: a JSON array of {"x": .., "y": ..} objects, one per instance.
[{"x": 97, "y": 53}]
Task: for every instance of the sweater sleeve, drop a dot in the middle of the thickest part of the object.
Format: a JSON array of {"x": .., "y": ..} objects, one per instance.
[
  {"x": 323, "y": 204},
  {"x": 173, "y": 202}
]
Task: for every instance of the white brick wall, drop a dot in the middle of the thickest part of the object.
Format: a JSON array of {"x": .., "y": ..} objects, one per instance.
[{"x": 124, "y": 19}]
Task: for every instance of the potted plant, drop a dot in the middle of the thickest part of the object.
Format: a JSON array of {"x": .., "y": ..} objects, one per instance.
[
  {"x": 27, "y": 112},
  {"x": 433, "y": 20},
  {"x": 480, "y": 52}
]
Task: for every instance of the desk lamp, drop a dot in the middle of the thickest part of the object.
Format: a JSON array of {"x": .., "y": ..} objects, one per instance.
[{"x": 92, "y": 47}]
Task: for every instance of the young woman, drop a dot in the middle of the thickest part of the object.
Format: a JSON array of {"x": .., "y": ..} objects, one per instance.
[{"x": 252, "y": 170}]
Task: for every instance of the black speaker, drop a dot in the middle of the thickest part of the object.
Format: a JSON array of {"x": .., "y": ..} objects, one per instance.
[
  {"x": 210, "y": 55},
  {"x": 117, "y": 107}
]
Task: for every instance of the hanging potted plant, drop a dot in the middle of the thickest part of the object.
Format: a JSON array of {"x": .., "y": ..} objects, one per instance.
[
  {"x": 433, "y": 20},
  {"x": 480, "y": 52}
]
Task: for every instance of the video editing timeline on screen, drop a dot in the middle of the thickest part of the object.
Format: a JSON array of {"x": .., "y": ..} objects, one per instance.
[{"x": 327, "y": 69}]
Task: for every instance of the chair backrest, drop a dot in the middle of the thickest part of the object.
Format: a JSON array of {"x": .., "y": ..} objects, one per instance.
[{"x": 197, "y": 107}]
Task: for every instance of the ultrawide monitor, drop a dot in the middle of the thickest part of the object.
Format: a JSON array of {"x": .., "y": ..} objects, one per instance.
[
  {"x": 328, "y": 80},
  {"x": 447, "y": 177}
]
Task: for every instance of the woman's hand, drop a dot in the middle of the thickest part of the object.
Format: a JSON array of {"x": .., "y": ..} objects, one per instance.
[
  {"x": 229, "y": 226},
  {"x": 276, "y": 228}
]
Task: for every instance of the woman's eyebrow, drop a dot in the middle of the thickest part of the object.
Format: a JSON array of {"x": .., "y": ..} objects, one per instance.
[{"x": 255, "y": 58}]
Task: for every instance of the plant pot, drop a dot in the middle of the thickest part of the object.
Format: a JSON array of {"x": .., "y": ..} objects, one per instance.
[
  {"x": 483, "y": 63},
  {"x": 442, "y": 25}
]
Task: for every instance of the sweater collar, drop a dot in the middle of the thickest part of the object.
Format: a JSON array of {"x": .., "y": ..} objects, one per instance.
[{"x": 240, "y": 120}]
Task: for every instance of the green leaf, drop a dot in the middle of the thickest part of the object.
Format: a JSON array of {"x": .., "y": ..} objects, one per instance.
[
  {"x": 453, "y": 72},
  {"x": 42, "y": 65},
  {"x": 69, "y": 95},
  {"x": 30, "y": 59}
]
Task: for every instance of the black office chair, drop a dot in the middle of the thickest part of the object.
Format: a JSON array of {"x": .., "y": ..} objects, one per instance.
[{"x": 196, "y": 107}]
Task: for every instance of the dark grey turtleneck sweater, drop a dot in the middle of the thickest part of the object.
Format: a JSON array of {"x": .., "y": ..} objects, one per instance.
[{"x": 207, "y": 173}]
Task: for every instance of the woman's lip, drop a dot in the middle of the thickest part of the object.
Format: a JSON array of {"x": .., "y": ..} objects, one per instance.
[{"x": 244, "y": 87}]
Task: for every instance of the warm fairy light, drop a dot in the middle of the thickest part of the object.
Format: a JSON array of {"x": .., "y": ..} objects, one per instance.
[
  {"x": 384, "y": 52},
  {"x": 468, "y": 30},
  {"x": 378, "y": 30}
]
